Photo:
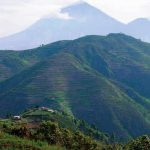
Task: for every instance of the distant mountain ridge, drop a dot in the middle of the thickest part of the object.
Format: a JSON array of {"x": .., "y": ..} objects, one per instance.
[
  {"x": 139, "y": 28},
  {"x": 85, "y": 20}
]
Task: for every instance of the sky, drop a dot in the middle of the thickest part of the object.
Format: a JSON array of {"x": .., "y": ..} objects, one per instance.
[{"x": 17, "y": 15}]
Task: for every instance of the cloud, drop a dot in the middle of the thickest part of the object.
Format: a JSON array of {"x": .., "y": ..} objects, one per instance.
[
  {"x": 16, "y": 15},
  {"x": 124, "y": 10}
]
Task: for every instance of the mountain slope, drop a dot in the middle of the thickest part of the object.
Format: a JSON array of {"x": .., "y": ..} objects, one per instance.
[
  {"x": 51, "y": 83},
  {"x": 12, "y": 62},
  {"x": 117, "y": 55},
  {"x": 93, "y": 78}
]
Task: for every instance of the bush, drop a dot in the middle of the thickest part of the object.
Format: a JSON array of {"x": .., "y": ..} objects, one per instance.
[{"x": 141, "y": 143}]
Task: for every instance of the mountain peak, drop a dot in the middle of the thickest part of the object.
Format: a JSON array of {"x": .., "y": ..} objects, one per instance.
[
  {"x": 84, "y": 4},
  {"x": 80, "y": 4},
  {"x": 81, "y": 8},
  {"x": 140, "y": 21}
]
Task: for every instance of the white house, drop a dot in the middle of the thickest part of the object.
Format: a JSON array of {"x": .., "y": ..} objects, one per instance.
[
  {"x": 17, "y": 117},
  {"x": 47, "y": 109}
]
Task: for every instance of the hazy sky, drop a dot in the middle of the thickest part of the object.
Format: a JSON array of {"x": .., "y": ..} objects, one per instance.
[{"x": 16, "y": 15}]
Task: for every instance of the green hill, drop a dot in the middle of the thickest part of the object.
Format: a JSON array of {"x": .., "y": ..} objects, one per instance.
[
  {"x": 42, "y": 128},
  {"x": 12, "y": 62},
  {"x": 102, "y": 80},
  {"x": 37, "y": 115}
]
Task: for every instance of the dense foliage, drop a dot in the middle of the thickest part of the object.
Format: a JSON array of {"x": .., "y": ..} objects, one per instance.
[
  {"x": 141, "y": 143},
  {"x": 49, "y": 133},
  {"x": 10, "y": 142},
  {"x": 31, "y": 133},
  {"x": 65, "y": 120},
  {"x": 52, "y": 134}
]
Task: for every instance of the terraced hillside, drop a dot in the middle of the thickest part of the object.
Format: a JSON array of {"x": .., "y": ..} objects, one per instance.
[{"x": 103, "y": 80}]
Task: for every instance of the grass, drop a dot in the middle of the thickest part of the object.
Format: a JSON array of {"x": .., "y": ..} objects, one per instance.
[{"x": 9, "y": 142}]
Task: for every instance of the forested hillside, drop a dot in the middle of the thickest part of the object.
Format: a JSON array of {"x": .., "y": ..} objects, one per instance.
[{"x": 104, "y": 80}]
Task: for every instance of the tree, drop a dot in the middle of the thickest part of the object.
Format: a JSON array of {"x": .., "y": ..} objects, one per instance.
[
  {"x": 67, "y": 138},
  {"x": 141, "y": 143},
  {"x": 51, "y": 132}
]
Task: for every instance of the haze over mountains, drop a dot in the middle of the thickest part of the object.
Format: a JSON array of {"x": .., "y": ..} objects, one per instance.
[{"x": 84, "y": 20}]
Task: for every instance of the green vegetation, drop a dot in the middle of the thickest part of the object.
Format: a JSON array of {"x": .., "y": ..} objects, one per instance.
[
  {"x": 65, "y": 121},
  {"x": 141, "y": 143},
  {"x": 102, "y": 80},
  {"x": 37, "y": 134},
  {"x": 10, "y": 142},
  {"x": 31, "y": 133}
]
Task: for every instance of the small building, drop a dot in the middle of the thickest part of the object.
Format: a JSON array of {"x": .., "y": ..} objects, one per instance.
[
  {"x": 47, "y": 109},
  {"x": 17, "y": 117},
  {"x": 51, "y": 110}
]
